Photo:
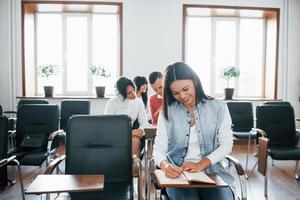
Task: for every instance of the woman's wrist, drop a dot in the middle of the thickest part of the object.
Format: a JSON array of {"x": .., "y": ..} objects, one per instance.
[{"x": 204, "y": 164}]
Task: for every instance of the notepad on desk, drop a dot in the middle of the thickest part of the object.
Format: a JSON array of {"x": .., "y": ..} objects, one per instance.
[{"x": 187, "y": 179}]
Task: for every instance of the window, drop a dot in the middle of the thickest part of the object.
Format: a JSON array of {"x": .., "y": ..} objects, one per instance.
[
  {"x": 73, "y": 37},
  {"x": 217, "y": 37}
]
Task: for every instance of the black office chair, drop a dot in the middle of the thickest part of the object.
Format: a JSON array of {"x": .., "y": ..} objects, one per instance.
[
  {"x": 4, "y": 159},
  {"x": 277, "y": 123},
  {"x": 283, "y": 103},
  {"x": 13, "y": 117},
  {"x": 69, "y": 108},
  {"x": 101, "y": 145},
  {"x": 242, "y": 119},
  {"x": 36, "y": 133},
  {"x": 3, "y": 151}
]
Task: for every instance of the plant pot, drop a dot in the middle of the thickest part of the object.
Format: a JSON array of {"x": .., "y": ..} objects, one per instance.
[
  {"x": 228, "y": 93},
  {"x": 48, "y": 90},
  {"x": 100, "y": 91}
]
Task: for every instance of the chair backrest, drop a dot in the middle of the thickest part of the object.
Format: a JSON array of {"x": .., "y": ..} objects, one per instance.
[
  {"x": 278, "y": 122},
  {"x": 3, "y": 149},
  {"x": 69, "y": 108},
  {"x": 32, "y": 101},
  {"x": 277, "y": 103},
  {"x": 100, "y": 145},
  {"x": 36, "y": 119},
  {"x": 241, "y": 115},
  {"x": 262, "y": 155}
]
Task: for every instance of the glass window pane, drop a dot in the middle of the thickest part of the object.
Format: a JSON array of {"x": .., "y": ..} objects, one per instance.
[
  {"x": 105, "y": 48},
  {"x": 251, "y": 57},
  {"x": 49, "y": 48},
  {"x": 198, "y": 51},
  {"x": 77, "y": 53},
  {"x": 225, "y": 50}
]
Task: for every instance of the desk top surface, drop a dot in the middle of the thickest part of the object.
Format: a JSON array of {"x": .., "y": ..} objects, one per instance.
[
  {"x": 43, "y": 184},
  {"x": 150, "y": 132}
]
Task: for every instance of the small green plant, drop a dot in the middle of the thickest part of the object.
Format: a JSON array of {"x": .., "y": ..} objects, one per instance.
[
  {"x": 99, "y": 71},
  {"x": 229, "y": 73},
  {"x": 47, "y": 70}
]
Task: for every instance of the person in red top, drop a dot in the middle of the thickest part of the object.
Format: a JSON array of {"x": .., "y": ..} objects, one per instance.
[{"x": 156, "y": 103}]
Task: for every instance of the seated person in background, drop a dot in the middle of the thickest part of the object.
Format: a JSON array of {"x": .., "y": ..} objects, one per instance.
[
  {"x": 141, "y": 84},
  {"x": 125, "y": 102},
  {"x": 155, "y": 79},
  {"x": 194, "y": 131}
]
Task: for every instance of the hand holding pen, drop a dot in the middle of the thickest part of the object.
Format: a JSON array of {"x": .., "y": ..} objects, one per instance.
[{"x": 170, "y": 169}]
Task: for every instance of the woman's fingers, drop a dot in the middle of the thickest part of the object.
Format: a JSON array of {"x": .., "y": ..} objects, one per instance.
[
  {"x": 171, "y": 171},
  {"x": 189, "y": 166}
]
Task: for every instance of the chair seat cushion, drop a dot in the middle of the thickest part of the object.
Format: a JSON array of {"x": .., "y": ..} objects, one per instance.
[
  {"x": 111, "y": 191},
  {"x": 35, "y": 158},
  {"x": 243, "y": 135},
  {"x": 284, "y": 153}
]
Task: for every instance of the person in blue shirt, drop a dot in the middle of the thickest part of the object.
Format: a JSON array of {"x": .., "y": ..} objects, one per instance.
[{"x": 194, "y": 133}]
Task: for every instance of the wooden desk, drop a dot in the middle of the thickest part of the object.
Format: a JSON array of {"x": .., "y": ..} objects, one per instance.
[
  {"x": 150, "y": 132},
  {"x": 45, "y": 184}
]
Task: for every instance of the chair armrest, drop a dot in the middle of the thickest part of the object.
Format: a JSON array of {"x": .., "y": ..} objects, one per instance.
[
  {"x": 260, "y": 131},
  {"x": 237, "y": 165},
  {"x": 53, "y": 164},
  {"x": 11, "y": 132},
  {"x": 6, "y": 160},
  {"x": 54, "y": 134},
  {"x": 10, "y": 112},
  {"x": 241, "y": 173}
]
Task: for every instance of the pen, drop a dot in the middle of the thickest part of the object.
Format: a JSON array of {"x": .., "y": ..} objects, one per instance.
[{"x": 172, "y": 162}]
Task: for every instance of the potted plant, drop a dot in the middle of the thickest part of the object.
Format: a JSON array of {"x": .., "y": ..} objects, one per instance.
[
  {"x": 227, "y": 74},
  {"x": 99, "y": 73},
  {"x": 46, "y": 71}
]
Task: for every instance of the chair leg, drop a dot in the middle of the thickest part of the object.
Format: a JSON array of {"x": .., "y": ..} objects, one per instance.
[
  {"x": 248, "y": 151},
  {"x": 20, "y": 178},
  {"x": 266, "y": 180},
  {"x": 296, "y": 169}
]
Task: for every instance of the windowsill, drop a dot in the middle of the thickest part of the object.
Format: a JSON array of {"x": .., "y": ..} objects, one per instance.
[
  {"x": 63, "y": 97},
  {"x": 109, "y": 96}
]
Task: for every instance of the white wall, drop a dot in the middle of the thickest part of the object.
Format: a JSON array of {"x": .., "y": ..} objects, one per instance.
[
  {"x": 152, "y": 39},
  {"x": 293, "y": 56},
  {"x": 5, "y": 55}
]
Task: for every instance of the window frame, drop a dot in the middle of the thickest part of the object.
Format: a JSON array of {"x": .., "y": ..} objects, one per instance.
[
  {"x": 87, "y": 9},
  {"x": 213, "y": 38}
]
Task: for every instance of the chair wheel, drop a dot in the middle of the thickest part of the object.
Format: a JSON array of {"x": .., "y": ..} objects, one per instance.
[{"x": 12, "y": 181}]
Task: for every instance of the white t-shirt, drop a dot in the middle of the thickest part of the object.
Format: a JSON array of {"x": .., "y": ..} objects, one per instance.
[{"x": 133, "y": 108}]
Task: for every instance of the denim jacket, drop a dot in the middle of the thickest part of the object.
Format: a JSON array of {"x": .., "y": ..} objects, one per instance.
[{"x": 208, "y": 117}]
